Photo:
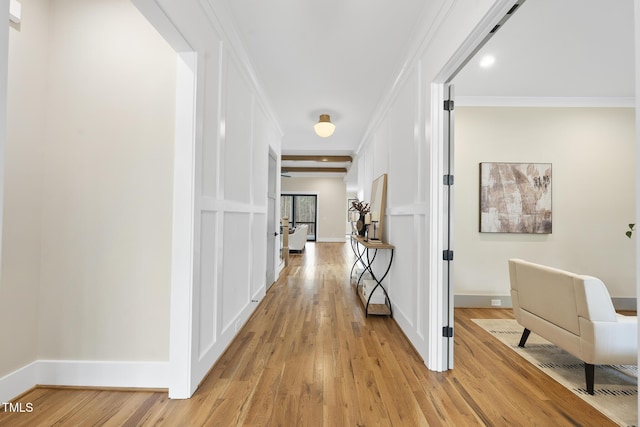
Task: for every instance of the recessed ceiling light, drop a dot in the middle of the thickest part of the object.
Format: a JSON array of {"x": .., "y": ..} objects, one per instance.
[{"x": 487, "y": 61}]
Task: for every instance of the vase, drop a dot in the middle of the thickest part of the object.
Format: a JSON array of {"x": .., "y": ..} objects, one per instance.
[{"x": 362, "y": 230}]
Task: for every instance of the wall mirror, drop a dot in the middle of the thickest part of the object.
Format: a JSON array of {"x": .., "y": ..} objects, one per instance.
[{"x": 377, "y": 206}]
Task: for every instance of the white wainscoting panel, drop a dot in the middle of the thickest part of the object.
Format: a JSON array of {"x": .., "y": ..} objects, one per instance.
[
  {"x": 403, "y": 288},
  {"x": 258, "y": 260},
  {"x": 205, "y": 291},
  {"x": 260, "y": 156},
  {"x": 210, "y": 111},
  {"x": 235, "y": 283},
  {"x": 403, "y": 159},
  {"x": 237, "y": 139}
]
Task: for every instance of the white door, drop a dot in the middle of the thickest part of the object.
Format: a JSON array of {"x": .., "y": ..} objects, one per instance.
[{"x": 272, "y": 228}]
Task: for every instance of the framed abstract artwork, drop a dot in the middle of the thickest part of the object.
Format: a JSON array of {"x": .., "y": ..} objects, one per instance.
[{"x": 515, "y": 198}]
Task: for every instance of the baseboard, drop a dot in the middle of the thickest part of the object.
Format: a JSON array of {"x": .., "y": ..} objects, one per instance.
[
  {"x": 504, "y": 301},
  {"x": 625, "y": 303},
  {"x": 482, "y": 301},
  {"x": 18, "y": 382},
  {"x": 82, "y": 373},
  {"x": 330, "y": 239}
]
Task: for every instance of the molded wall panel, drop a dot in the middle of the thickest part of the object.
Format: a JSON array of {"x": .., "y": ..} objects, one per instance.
[
  {"x": 262, "y": 136},
  {"x": 238, "y": 131},
  {"x": 403, "y": 158},
  {"x": 382, "y": 142},
  {"x": 209, "y": 101},
  {"x": 259, "y": 254},
  {"x": 403, "y": 279},
  {"x": 235, "y": 274},
  {"x": 415, "y": 158},
  {"x": 204, "y": 292}
]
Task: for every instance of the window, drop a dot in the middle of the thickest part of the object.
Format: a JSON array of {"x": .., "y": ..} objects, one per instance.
[{"x": 301, "y": 209}]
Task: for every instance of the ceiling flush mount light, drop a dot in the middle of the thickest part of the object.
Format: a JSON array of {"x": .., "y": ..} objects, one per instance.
[
  {"x": 324, "y": 127},
  {"x": 487, "y": 61}
]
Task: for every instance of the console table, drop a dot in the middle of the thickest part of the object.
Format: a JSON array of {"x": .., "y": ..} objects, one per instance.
[{"x": 366, "y": 252}]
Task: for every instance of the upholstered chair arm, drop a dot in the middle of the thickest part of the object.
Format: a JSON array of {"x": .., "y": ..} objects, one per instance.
[
  {"x": 592, "y": 299},
  {"x": 610, "y": 342}
]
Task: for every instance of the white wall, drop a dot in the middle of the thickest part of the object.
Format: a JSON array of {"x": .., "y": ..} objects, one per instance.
[
  {"x": 405, "y": 140},
  {"x": 592, "y": 151},
  {"x": 332, "y": 203},
  {"x": 96, "y": 240},
  {"x": 225, "y": 177}
]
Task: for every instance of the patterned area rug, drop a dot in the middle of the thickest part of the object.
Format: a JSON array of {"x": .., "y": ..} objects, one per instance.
[{"x": 616, "y": 387}]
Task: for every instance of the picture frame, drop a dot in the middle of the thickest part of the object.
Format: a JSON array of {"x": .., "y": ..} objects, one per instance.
[
  {"x": 377, "y": 206},
  {"x": 516, "y": 198}
]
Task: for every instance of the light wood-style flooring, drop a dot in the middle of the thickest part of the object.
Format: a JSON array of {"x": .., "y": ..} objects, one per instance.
[{"x": 309, "y": 357}]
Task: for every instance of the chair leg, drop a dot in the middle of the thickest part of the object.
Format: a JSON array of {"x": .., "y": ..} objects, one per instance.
[
  {"x": 589, "y": 372},
  {"x": 525, "y": 336}
]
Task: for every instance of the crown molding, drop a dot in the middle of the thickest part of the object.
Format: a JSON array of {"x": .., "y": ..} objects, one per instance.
[{"x": 221, "y": 19}]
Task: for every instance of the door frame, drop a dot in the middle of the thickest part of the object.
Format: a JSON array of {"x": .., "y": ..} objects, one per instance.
[
  {"x": 441, "y": 301},
  {"x": 272, "y": 219},
  {"x": 181, "y": 325}
]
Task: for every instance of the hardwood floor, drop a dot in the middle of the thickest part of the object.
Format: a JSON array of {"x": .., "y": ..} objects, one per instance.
[{"x": 308, "y": 356}]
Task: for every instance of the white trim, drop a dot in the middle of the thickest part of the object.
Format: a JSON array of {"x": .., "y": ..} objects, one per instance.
[
  {"x": 19, "y": 381},
  {"x": 431, "y": 23},
  {"x": 313, "y": 174},
  {"x": 407, "y": 210},
  {"x": 85, "y": 373},
  {"x": 221, "y": 19},
  {"x": 438, "y": 302},
  {"x": 15, "y": 11},
  {"x": 636, "y": 5},
  {"x": 299, "y": 193},
  {"x": 514, "y": 101},
  {"x": 330, "y": 239},
  {"x": 180, "y": 347},
  {"x": 157, "y": 16},
  {"x": 4, "y": 71}
]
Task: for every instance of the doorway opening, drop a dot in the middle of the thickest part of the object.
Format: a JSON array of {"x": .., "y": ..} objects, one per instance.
[
  {"x": 443, "y": 115},
  {"x": 301, "y": 209}
]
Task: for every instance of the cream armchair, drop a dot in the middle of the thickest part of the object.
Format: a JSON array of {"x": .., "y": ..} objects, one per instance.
[
  {"x": 575, "y": 313},
  {"x": 298, "y": 238}
]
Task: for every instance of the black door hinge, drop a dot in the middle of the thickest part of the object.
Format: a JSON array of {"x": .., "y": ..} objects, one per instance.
[
  {"x": 448, "y": 105},
  {"x": 447, "y": 255},
  {"x": 447, "y": 331},
  {"x": 447, "y": 179}
]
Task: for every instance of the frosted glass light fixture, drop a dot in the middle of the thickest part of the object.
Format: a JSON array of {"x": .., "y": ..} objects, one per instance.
[
  {"x": 487, "y": 61},
  {"x": 324, "y": 128}
]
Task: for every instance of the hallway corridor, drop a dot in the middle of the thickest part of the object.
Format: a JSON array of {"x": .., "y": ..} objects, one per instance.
[{"x": 309, "y": 357}]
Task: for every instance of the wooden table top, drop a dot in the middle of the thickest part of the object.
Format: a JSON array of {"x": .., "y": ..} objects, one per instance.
[{"x": 370, "y": 245}]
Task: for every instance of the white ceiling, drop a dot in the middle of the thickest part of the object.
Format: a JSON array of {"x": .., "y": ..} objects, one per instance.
[
  {"x": 340, "y": 57},
  {"x": 553, "y": 48},
  {"x": 333, "y": 56}
]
